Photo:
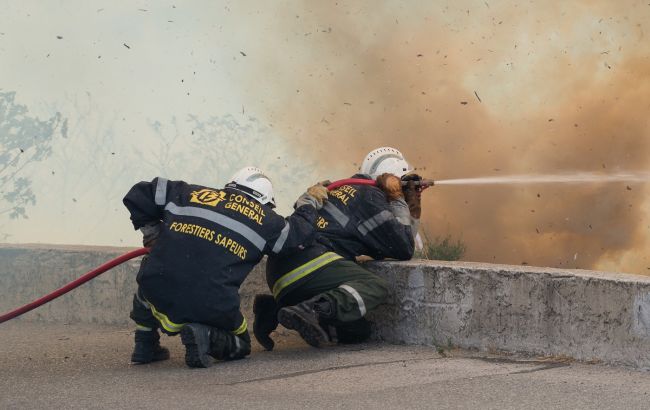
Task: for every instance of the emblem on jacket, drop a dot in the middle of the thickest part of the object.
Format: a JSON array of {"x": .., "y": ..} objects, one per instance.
[{"x": 208, "y": 197}]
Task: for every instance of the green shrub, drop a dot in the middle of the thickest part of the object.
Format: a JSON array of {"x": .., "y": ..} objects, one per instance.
[{"x": 442, "y": 249}]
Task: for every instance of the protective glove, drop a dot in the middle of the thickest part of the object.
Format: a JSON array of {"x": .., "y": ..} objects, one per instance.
[
  {"x": 266, "y": 320},
  {"x": 413, "y": 195},
  {"x": 318, "y": 191},
  {"x": 391, "y": 185},
  {"x": 150, "y": 233},
  {"x": 315, "y": 196}
]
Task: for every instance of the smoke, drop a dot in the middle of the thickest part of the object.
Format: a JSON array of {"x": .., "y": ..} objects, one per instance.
[{"x": 468, "y": 89}]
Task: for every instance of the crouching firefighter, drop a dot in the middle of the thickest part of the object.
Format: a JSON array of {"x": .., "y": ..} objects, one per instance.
[
  {"x": 204, "y": 242},
  {"x": 321, "y": 292}
]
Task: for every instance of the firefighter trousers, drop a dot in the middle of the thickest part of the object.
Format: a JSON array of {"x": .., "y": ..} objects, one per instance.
[
  {"x": 354, "y": 289},
  {"x": 232, "y": 345}
]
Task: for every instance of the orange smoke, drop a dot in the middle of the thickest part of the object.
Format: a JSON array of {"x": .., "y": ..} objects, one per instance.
[{"x": 476, "y": 89}]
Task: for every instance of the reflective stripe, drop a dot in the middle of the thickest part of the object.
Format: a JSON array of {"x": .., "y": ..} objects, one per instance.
[
  {"x": 233, "y": 354},
  {"x": 223, "y": 220},
  {"x": 352, "y": 291},
  {"x": 237, "y": 344},
  {"x": 282, "y": 239},
  {"x": 141, "y": 300},
  {"x": 167, "y": 324},
  {"x": 161, "y": 192},
  {"x": 400, "y": 209},
  {"x": 303, "y": 270},
  {"x": 242, "y": 328},
  {"x": 372, "y": 223},
  {"x": 143, "y": 328},
  {"x": 336, "y": 213}
]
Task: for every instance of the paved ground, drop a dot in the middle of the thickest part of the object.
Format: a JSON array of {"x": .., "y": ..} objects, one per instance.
[{"x": 85, "y": 366}]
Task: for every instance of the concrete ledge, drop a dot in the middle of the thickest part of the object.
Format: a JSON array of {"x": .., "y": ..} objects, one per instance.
[{"x": 580, "y": 314}]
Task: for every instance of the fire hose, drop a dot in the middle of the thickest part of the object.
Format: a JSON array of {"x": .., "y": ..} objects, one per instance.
[{"x": 143, "y": 251}]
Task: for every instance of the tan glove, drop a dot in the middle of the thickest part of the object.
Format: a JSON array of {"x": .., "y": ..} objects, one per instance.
[
  {"x": 315, "y": 196},
  {"x": 391, "y": 185},
  {"x": 318, "y": 191}
]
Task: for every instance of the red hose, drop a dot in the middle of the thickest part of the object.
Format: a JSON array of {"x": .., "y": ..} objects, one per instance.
[
  {"x": 350, "y": 181},
  {"x": 74, "y": 284},
  {"x": 121, "y": 259}
]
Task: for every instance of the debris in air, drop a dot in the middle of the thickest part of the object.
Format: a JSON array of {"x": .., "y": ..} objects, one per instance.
[
  {"x": 127, "y": 46},
  {"x": 463, "y": 102},
  {"x": 59, "y": 37},
  {"x": 479, "y": 98},
  {"x": 242, "y": 53}
]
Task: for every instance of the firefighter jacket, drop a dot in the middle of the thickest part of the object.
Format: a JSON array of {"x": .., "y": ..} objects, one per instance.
[
  {"x": 210, "y": 239},
  {"x": 355, "y": 220}
]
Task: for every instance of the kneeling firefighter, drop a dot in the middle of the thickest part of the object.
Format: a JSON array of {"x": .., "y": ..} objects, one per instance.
[
  {"x": 321, "y": 292},
  {"x": 204, "y": 242}
]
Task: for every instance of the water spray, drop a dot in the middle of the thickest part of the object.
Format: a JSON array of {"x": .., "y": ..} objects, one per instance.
[{"x": 574, "y": 178}]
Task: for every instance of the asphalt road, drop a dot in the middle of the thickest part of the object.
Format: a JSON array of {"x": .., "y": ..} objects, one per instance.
[{"x": 86, "y": 367}]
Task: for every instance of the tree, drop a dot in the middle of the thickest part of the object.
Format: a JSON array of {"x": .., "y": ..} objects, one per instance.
[{"x": 24, "y": 139}]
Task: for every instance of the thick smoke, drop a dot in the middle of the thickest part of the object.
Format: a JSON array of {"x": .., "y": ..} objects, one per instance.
[{"x": 474, "y": 89}]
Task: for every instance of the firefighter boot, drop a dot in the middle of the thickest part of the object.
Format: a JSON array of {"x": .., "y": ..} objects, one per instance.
[
  {"x": 196, "y": 338},
  {"x": 306, "y": 318},
  {"x": 147, "y": 347},
  {"x": 225, "y": 345}
]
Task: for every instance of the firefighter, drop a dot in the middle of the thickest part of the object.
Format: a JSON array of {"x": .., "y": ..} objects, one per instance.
[
  {"x": 204, "y": 242},
  {"x": 321, "y": 292}
]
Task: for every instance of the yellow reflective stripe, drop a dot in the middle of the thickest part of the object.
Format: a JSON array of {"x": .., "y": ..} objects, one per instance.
[
  {"x": 143, "y": 327},
  {"x": 242, "y": 328},
  {"x": 303, "y": 270},
  {"x": 165, "y": 322}
]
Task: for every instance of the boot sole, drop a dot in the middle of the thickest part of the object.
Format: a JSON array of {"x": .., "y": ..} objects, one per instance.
[
  {"x": 293, "y": 319},
  {"x": 197, "y": 345}
]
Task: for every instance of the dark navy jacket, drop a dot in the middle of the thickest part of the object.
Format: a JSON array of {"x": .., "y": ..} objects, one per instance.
[
  {"x": 356, "y": 220},
  {"x": 210, "y": 240}
]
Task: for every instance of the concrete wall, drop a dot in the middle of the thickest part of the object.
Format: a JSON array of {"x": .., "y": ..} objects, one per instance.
[{"x": 581, "y": 314}]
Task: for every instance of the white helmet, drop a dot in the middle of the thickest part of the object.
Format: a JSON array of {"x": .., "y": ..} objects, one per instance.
[
  {"x": 385, "y": 159},
  {"x": 253, "y": 182}
]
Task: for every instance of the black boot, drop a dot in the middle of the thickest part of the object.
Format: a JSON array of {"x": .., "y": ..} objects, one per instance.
[
  {"x": 147, "y": 347},
  {"x": 307, "y": 317},
  {"x": 196, "y": 338},
  {"x": 225, "y": 345},
  {"x": 266, "y": 319},
  {"x": 203, "y": 342}
]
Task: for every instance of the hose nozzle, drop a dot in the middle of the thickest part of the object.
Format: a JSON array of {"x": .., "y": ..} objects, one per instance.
[{"x": 422, "y": 184}]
